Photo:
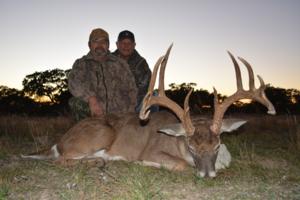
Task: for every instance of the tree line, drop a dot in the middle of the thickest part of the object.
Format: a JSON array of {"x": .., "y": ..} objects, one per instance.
[{"x": 46, "y": 93}]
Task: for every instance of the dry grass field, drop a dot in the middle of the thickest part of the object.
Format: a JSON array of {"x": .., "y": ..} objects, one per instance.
[{"x": 265, "y": 151}]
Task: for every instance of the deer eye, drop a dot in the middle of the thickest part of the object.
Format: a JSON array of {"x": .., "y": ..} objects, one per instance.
[
  {"x": 191, "y": 149},
  {"x": 217, "y": 148}
]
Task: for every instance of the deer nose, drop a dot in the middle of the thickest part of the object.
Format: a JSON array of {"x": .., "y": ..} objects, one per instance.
[
  {"x": 210, "y": 174},
  {"x": 201, "y": 174}
]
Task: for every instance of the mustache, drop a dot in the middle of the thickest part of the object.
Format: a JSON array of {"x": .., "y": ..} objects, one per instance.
[{"x": 100, "y": 51}]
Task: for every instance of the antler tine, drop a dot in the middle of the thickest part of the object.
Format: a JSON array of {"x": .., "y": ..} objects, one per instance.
[
  {"x": 144, "y": 112},
  {"x": 154, "y": 74},
  {"x": 262, "y": 83},
  {"x": 250, "y": 72},
  {"x": 218, "y": 114},
  {"x": 237, "y": 72},
  {"x": 258, "y": 94},
  {"x": 188, "y": 125},
  {"x": 216, "y": 99},
  {"x": 161, "y": 86},
  {"x": 186, "y": 101},
  {"x": 253, "y": 93},
  {"x": 163, "y": 100}
]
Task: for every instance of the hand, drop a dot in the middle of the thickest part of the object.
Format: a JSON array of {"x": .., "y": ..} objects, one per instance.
[{"x": 95, "y": 107}]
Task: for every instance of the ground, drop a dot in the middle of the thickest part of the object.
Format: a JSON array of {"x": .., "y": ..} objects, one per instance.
[{"x": 266, "y": 165}]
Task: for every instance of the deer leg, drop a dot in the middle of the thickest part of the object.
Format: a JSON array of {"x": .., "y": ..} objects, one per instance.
[
  {"x": 99, "y": 162},
  {"x": 65, "y": 161},
  {"x": 167, "y": 161},
  {"x": 94, "y": 162}
]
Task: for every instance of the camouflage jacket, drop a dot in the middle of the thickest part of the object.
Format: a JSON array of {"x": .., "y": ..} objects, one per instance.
[
  {"x": 111, "y": 81},
  {"x": 142, "y": 74}
]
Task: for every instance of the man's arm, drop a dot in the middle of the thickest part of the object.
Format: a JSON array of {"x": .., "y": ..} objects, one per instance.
[
  {"x": 127, "y": 87},
  {"x": 80, "y": 81},
  {"x": 144, "y": 73},
  {"x": 96, "y": 107}
]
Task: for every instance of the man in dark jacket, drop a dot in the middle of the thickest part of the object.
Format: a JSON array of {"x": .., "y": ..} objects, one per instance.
[
  {"x": 100, "y": 82},
  {"x": 138, "y": 65}
]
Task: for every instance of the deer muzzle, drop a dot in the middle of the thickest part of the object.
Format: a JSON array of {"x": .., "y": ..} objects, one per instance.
[{"x": 205, "y": 165}]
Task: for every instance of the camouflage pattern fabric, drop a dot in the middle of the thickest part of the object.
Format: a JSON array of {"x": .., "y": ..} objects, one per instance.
[
  {"x": 79, "y": 108},
  {"x": 142, "y": 74},
  {"x": 110, "y": 81}
]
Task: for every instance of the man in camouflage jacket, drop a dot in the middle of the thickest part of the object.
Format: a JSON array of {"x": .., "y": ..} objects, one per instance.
[
  {"x": 138, "y": 65},
  {"x": 101, "y": 82}
]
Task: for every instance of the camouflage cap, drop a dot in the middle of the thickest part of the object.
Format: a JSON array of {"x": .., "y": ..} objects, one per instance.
[{"x": 97, "y": 34}]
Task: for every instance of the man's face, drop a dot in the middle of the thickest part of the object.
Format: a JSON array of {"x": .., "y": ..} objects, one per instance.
[
  {"x": 125, "y": 47},
  {"x": 99, "y": 47}
]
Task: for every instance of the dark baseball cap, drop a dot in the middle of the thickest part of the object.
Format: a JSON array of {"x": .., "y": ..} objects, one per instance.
[{"x": 126, "y": 35}]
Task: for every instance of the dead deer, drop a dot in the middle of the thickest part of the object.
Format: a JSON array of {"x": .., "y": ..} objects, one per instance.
[{"x": 163, "y": 141}]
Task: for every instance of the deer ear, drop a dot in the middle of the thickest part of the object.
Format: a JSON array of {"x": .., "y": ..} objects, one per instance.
[
  {"x": 229, "y": 125},
  {"x": 173, "y": 130}
]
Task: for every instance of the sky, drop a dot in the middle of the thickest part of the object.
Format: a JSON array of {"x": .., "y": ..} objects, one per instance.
[{"x": 39, "y": 35}]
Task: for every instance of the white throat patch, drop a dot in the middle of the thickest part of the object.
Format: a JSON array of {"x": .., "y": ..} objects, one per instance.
[{"x": 223, "y": 158}]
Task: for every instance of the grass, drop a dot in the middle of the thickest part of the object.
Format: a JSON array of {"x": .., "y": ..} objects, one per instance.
[{"x": 266, "y": 165}]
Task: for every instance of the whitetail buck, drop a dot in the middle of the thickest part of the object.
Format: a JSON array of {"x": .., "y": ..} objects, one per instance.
[{"x": 163, "y": 141}]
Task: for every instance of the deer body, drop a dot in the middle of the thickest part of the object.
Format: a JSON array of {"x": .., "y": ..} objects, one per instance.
[
  {"x": 122, "y": 138},
  {"x": 165, "y": 141}
]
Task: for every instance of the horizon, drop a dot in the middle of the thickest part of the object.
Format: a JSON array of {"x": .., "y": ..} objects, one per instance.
[{"x": 41, "y": 35}]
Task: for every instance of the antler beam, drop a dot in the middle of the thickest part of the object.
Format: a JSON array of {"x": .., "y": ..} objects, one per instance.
[
  {"x": 163, "y": 100},
  {"x": 252, "y": 93}
]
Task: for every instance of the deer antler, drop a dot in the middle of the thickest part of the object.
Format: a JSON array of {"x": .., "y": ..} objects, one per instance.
[
  {"x": 253, "y": 93},
  {"x": 163, "y": 100}
]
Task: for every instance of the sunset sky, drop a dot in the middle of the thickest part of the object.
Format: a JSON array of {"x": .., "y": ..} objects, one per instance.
[{"x": 37, "y": 35}]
